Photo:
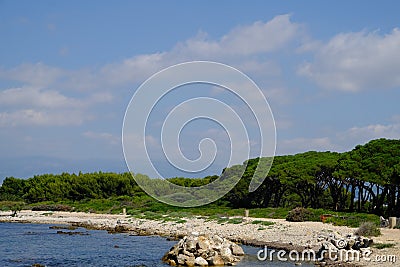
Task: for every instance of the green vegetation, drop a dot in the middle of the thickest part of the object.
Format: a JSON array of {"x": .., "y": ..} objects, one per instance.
[
  {"x": 265, "y": 223},
  {"x": 273, "y": 213},
  {"x": 366, "y": 179},
  {"x": 352, "y": 187},
  {"x": 299, "y": 214},
  {"x": 9, "y": 205},
  {"x": 235, "y": 220},
  {"x": 15, "y": 209},
  {"x": 383, "y": 245},
  {"x": 352, "y": 219},
  {"x": 368, "y": 229},
  {"x": 52, "y": 207}
]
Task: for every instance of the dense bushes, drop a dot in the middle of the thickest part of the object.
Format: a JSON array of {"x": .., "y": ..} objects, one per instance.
[
  {"x": 366, "y": 179},
  {"x": 298, "y": 215},
  {"x": 65, "y": 186}
]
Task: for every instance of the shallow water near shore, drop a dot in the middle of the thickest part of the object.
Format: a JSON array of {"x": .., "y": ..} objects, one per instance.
[{"x": 27, "y": 244}]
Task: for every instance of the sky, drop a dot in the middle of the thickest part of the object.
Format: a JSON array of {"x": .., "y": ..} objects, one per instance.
[{"x": 330, "y": 72}]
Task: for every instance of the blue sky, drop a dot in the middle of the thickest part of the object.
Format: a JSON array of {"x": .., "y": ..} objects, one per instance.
[{"x": 68, "y": 69}]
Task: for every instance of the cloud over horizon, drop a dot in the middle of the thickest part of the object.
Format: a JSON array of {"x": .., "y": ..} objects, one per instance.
[
  {"x": 356, "y": 61},
  {"x": 320, "y": 88}
]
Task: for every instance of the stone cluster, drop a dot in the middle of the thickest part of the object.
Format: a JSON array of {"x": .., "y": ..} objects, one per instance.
[
  {"x": 338, "y": 244},
  {"x": 195, "y": 250}
]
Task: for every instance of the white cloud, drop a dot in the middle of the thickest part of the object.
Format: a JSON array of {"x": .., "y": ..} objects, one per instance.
[
  {"x": 133, "y": 70},
  {"x": 108, "y": 137},
  {"x": 260, "y": 68},
  {"x": 38, "y": 107},
  {"x": 260, "y": 37},
  {"x": 35, "y": 100},
  {"x": 99, "y": 97},
  {"x": 34, "y": 97},
  {"x": 30, "y": 117},
  {"x": 342, "y": 141},
  {"x": 37, "y": 74},
  {"x": 357, "y": 61},
  {"x": 234, "y": 47},
  {"x": 257, "y": 38},
  {"x": 300, "y": 144},
  {"x": 360, "y": 135}
]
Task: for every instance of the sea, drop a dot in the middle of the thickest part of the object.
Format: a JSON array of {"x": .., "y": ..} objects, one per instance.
[{"x": 29, "y": 244}]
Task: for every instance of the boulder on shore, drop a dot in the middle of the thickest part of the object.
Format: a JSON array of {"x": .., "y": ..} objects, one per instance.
[
  {"x": 340, "y": 244},
  {"x": 204, "y": 251}
]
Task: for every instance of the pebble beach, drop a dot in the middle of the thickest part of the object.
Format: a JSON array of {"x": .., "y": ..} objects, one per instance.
[{"x": 279, "y": 235}]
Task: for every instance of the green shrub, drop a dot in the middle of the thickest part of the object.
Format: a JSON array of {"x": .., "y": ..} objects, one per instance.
[
  {"x": 368, "y": 229},
  {"x": 298, "y": 215},
  {"x": 10, "y": 205}
]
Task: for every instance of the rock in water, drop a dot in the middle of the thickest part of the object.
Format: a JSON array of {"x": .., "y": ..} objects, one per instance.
[
  {"x": 342, "y": 245},
  {"x": 200, "y": 261},
  {"x": 204, "y": 250},
  {"x": 216, "y": 261},
  {"x": 237, "y": 250}
]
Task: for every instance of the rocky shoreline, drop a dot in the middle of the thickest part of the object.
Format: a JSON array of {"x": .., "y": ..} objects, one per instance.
[
  {"x": 280, "y": 235},
  {"x": 204, "y": 250}
]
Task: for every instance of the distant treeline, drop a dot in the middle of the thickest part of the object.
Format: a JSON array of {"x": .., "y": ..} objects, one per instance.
[{"x": 366, "y": 179}]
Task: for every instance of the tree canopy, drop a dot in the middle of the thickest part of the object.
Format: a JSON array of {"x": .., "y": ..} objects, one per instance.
[{"x": 365, "y": 179}]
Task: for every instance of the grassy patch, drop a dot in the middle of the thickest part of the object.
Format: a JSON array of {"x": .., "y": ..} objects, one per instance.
[
  {"x": 223, "y": 219},
  {"x": 264, "y": 223},
  {"x": 52, "y": 207},
  {"x": 272, "y": 213},
  {"x": 218, "y": 219},
  {"x": 352, "y": 219},
  {"x": 383, "y": 245},
  {"x": 177, "y": 217},
  {"x": 235, "y": 220}
]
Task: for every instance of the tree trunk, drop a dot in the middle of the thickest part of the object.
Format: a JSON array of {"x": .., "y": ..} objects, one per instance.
[
  {"x": 398, "y": 202},
  {"x": 353, "y": 196}
]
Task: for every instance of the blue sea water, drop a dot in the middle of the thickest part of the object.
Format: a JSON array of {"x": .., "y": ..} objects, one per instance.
[{"x": 27, "y": 244}]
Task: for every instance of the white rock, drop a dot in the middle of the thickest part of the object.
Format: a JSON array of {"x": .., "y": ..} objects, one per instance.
[
  {"x": 200, "y": 261},
  {"x": 237, "y": 250}
]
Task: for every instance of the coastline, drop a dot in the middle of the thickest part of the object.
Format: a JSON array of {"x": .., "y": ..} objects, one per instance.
[{"x": 281, "y": 235}]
